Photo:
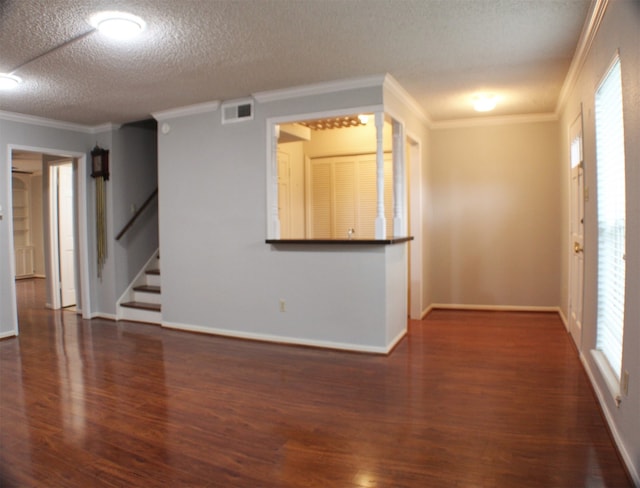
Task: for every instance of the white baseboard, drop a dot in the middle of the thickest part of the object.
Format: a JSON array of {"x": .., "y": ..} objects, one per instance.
[
  {"x": 563, "y": 318},
  {"x": 281, "y": 339},
  {"x": 11, "y": 333},
  {"x": 426, "y": 311},
  {"x": 396, "y": 339},
  {"x": 634, "y": 470},
  {"x": 99, "y": 315},
  {"x": 496, "y": 308}
]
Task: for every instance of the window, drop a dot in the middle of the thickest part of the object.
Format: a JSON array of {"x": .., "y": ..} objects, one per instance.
[{"x": 610, "y": 171}]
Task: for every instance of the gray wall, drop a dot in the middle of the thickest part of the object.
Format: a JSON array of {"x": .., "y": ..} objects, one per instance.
[
  {"x": 33, "y": 136},
  {"x": 134, "y": 177},
  {"x": 218, "y": 274}
]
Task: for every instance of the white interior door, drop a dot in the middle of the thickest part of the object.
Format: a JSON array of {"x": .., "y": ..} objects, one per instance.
[
  {"x": 576, "y": 268},
  {"x": 66, "y": 235}
]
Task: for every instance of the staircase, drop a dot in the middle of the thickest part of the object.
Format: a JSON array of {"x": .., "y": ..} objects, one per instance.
[{"x": 144, "y": 299}]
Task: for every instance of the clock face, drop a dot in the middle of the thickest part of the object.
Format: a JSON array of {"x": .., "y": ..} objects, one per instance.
[{"x": 97, "y": 164}]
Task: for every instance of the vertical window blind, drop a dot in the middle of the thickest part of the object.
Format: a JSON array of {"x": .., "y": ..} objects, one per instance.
[{"x": 610, "y": 172}]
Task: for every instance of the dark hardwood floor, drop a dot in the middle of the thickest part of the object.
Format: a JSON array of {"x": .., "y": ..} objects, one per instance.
[{"x": 468, "y": 399}]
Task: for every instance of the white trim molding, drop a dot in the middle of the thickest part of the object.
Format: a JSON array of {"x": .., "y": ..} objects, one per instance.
[
  {"x": 496, "y": 120},
  {"x": 11, "y": 333},
  {"x": 563, "y": 318},
  {"x": 624, "y": 453},
  {"x": 100, "y": 315},
  {"x": 318, "y": 89},
  {"x": 104, "y": 128},
  {"x": 41, "y": 121},
  {"x": 494, "y": 308},
  {"x": 55, "y": 124},
  {"x": 583, "y": 48},
  {"x": 342, "y": 346},
  {"x": 403, "y": 95},
  {"x": 198, "y": 108}
]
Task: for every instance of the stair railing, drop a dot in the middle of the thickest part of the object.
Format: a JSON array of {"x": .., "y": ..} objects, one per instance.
[{"x": 137, "y": 214}]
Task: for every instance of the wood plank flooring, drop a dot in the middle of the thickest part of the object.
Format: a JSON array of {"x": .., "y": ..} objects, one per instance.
[{"x": 468, "y": 399}]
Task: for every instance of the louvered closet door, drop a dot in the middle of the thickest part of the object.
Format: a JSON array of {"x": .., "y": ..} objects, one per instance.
[
  {"x": 344, "y": 189},
  {"x": 367, "y": 198},
  {"x": 320, "y": 199},
  {"x": 343, "y": 196}
]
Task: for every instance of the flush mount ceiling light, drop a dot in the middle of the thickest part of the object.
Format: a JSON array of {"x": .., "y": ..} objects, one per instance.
[
  {"x": 118, "y": 25},
  {"x": 9, "y": 82},
  {"x": 484, "y": 103}
]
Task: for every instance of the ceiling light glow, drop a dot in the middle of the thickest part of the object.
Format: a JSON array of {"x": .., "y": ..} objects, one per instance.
[
  {"x": 484, "y": 103},
  {"x": 363, "y": 119},
  {"x": 118, "y": 25},
  {"x": 9, "y": 82}
]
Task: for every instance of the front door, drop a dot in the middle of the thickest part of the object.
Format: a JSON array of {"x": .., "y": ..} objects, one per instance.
[{"x": 576, "y": 267}]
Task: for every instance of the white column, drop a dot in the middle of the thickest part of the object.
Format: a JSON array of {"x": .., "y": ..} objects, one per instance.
[
  {"x": 274, "y": 218},
  {"x": 381, "y": 223},
  {"x": 399, "y": 184}
]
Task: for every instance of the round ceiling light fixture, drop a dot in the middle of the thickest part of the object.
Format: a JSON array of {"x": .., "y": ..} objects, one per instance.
[
  {"x": 9, "y": 82},
  {"x": 484, "y": 103},
  {"x": 118, "y": 25}
]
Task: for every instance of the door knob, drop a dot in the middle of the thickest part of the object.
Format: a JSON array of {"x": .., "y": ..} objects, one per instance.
[{"x": 577, "y": 247}]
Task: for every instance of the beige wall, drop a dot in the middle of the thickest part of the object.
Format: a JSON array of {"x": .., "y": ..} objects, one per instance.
[{"x": 495, "y": 229}]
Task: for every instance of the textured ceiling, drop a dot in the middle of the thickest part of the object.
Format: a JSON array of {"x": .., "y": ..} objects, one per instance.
[{"x": 441, "y": 51}]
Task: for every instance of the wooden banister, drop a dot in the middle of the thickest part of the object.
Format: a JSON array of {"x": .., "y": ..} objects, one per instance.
[{"x": 137, "y": 214}]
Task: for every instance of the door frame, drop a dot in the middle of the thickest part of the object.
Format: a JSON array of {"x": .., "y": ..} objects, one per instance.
[
  {"x": 413, "y": 151},
  {"x": 82, "y": 256},
  {"x": 576, "y": 276}
]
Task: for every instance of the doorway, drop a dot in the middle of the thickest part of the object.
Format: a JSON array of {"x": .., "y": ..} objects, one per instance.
[{"x": 76, "y": 199}]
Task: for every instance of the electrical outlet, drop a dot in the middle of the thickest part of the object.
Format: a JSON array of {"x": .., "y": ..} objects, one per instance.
[
  {"x": 283, "y": 306},
  {"x": 624, "y": 383}
]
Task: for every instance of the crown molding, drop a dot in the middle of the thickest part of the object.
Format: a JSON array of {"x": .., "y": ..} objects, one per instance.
[
  {"x": 198, "y": 108},
  {"x": 56, "y": 124},
  {"x": 103, "y": 128},
  {"x": 33, "y": 120},
  {"x": 588, "y": 35},
  {"x": 391, "y": 84},
  {"x": 318, "y": 89},
  {"x": 495, "y": 120}
]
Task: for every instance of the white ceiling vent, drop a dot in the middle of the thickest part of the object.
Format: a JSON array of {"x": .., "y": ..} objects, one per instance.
[{"x": 237, "y": 111}]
